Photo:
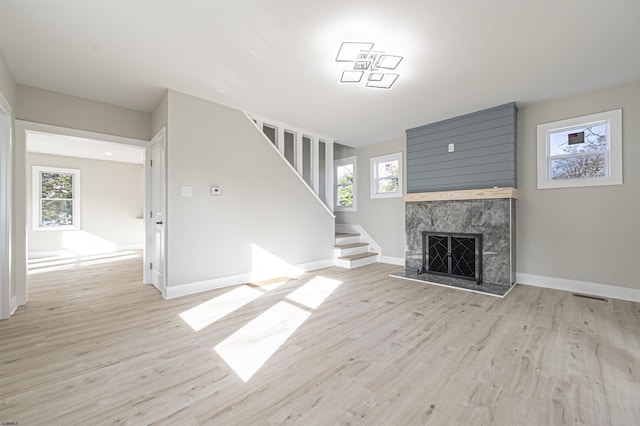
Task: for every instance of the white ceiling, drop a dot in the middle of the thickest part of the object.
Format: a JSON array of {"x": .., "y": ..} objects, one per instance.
[
  {"x": 47, "y": 143},
  {"x": 276, "y": 58}
]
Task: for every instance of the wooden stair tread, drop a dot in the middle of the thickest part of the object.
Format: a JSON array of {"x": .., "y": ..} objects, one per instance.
[
  {"x": 352, "y": 245},
  {"x": 358, "y": 256}
]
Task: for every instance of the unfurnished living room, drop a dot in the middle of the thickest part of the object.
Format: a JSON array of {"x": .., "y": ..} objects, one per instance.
[{"x": 315, "y": 213}]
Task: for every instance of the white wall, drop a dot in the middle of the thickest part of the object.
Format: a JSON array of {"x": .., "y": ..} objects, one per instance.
[
  {"x": 264, "y": 204},
  {"x": 582, "y": 234},
  {"x": 8, "y": 86},
  {"x": 112, "y": 203},
  {"x": 160, "y": 115},
  {"x": 44, "y": 106},
  {"x": 382, "y": 218}
]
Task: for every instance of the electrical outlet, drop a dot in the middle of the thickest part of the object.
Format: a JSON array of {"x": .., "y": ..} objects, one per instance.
[{"x": 452, "y": 147}]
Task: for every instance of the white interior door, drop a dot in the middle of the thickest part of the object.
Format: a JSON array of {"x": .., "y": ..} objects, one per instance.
[{"x": 158, "y": 212}]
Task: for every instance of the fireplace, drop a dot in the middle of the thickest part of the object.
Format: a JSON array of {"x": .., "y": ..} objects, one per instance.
[
  {"x": 463, "y": 239},
  {"x": 452, "y": 254}
]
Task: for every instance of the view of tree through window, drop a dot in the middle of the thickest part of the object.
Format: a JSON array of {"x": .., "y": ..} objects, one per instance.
[
  {"x": 56, "y": 199},
  {"x": 387, "y": 177},
  {"x": 578, "y": 153},
  {"x": 345, "y": 185}
]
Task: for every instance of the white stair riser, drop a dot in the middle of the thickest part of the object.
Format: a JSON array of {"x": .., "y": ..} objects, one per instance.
[
  {"x": 364, "y": 261},
  {"x": 340, "y": 252},
  {"x": 347, "y": 240},
  {"x": 350, "y": 264}
]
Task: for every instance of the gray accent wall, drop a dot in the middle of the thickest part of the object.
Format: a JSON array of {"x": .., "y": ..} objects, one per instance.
[{"x": 484, "y": 152}]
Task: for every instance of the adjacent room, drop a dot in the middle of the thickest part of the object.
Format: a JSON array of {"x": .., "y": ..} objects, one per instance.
[{"x": 271, "y": 212}]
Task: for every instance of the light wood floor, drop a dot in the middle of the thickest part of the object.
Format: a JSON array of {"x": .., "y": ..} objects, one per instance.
[{"x": 95, "y": 346}]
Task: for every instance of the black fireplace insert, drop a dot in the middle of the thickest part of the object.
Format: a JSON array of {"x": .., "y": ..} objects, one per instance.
[{"x": 452, "y": 254}]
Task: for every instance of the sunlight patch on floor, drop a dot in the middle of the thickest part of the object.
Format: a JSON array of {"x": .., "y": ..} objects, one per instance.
[
  {"x": 246, "y": 350},
  {"x": 211, "y": 311},
  {"x": 64, "y": 262},
  {"x": 313, "y": 293}
]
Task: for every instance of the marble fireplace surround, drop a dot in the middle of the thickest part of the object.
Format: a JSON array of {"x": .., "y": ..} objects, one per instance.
[{"x": 490, "y": 212}]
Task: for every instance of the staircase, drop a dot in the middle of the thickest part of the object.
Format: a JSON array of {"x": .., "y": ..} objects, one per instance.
[{"x": 350, "y": 252}]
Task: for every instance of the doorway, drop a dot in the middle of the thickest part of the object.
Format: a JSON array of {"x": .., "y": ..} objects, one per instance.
[{"x": 93, "y": 236}]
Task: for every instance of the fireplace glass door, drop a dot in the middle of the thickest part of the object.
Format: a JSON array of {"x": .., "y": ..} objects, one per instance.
[{"x": 455, "y": 255}]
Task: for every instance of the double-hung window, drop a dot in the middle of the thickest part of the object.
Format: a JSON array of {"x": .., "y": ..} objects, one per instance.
[
  {"x": 386, "y": 176},
  {"x": 345, "y": 179},
  {"x": 582, "y": 151},
  {"x": 56, "y": 198}
]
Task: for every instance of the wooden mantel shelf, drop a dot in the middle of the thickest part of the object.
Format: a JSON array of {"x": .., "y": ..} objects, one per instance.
[{"x": 467, "y": 194}]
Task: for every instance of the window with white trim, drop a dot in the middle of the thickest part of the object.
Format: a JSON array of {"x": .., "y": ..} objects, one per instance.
[
  {"x": 581, "y": 151},
  {"x": 386, "y": 176},
  {"x": 345, "y": 184},
  {"x": 56, "y": 198}
]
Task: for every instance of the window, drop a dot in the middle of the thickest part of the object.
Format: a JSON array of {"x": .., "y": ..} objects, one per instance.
[
  {"x": 386, "y": 176},
  {"x": 56, "y": 198},
  {"x": 582, "y": 151},
  {"x": 345, "y": 184}
]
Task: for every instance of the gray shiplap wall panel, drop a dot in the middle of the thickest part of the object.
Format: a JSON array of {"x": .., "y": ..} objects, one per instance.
[
  {"x": 463, "y": 121},
  {"x": 484, "y": 156},
  {"x": 502, "y": 126},
  {"x": 462, "y": 146},
  {"x": 443, "y": 157},
  {"x": 463, "y": 179},
  {"x": 502, "y": 168},
  {"x": 487, "y": 136},
  {"x": 505, "y": 157}
]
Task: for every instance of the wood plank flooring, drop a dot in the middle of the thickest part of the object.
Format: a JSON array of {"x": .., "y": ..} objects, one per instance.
[{"x": 96, "y": 346}]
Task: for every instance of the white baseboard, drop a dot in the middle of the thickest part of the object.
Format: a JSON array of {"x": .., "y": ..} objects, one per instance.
[
  {"x": 68, "y": 253},
  {"x": 198, "y": 287},
  {"x": 583, "y": 287},
  {"x": 391, "y": 260}
]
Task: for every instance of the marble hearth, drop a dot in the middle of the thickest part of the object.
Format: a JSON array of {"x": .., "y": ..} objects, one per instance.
[{"x": 481, "y": 212}]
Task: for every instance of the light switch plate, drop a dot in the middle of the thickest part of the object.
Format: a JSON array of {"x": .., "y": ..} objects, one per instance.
[
  {"x": 187, "y": 191},
  {"x": 216, "y": 190},
  {"x": 452, "y": 147}
]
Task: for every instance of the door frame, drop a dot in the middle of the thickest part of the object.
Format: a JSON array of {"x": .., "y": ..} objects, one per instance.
[
  {"x": 22, "y": 128},
  {"x": 7, "y": 299},
  {"x": 160, "y": 137}
]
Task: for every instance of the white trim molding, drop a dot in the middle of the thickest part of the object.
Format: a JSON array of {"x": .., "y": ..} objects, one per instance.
[
  {"x": 8, "y": 303},
  {"x": 171, "y": 292},
  {"x": 399, "y": 261},
  {"x": 374, "y": 178},
  {"x": 611, "y": 120},
  {"x": 582, "y": 287},
  {"x": 36, "y": 198},
  {"x": 339, "y": 163}
]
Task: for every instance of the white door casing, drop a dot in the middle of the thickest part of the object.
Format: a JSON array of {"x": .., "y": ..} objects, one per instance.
[
  {"x": 22, "y": 128},
  {"x": 157, "y": 216},
  {"x": 6, "y": 156}
]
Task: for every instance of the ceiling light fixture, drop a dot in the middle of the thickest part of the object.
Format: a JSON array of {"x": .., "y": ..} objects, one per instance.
[{"x": 363, "y": 59}]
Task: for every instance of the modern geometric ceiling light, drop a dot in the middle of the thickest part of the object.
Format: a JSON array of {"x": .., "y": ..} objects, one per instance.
[{"x": 363, "y": 59}]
